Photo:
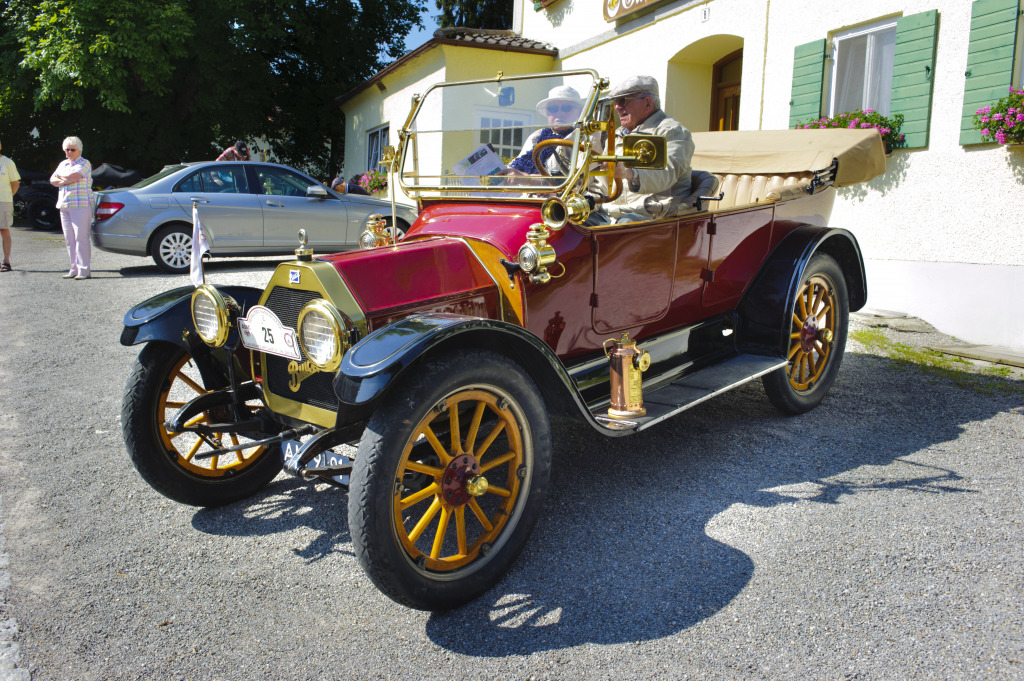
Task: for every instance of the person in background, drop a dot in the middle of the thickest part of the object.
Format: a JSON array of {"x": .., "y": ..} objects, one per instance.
[
  {"x": 237, "y": 152},
  {"x": 10, "y": 180},
  {"x": 561, "y": 108},
  {"x": 647, "y": 193},
  {"x": 73, "y": 179},
  {"x": 353, "y": 186},
  {"x": 339, "y": 185}
]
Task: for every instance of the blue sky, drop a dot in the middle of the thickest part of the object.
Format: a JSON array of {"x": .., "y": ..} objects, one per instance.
[{"x": 422, "y": 35}]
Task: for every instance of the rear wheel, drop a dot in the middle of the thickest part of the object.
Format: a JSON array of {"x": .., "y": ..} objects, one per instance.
[
  {"x": 172, "y": 249},
  {"x": 179, "y": 465},
  {"x": 449, "y": 479},
  {"x": 818, "y": 326}
]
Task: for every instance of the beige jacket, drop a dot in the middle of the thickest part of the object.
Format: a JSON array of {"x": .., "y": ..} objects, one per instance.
[{"x": 659, "y": 192}]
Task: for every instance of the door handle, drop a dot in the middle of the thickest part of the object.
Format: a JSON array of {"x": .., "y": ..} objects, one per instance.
[
  {"x": 196, "y": 199},
  {"x": 277, "y": 204}
]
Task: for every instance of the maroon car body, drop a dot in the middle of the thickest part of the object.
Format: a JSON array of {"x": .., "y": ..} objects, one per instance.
[{"x": 442, "y": 358}]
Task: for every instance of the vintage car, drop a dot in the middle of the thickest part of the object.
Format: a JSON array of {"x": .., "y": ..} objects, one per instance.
[{"x": 443, "y": 358}]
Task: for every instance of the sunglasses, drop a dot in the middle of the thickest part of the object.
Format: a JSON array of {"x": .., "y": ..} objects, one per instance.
[
  {"x": 621, "y": 101},
  {"x": 564, "y": 108},
  {"x": 71, "y": 149}
]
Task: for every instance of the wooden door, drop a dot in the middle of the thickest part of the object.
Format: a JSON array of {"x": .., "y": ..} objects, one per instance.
[{"x": 725, "y": 94}]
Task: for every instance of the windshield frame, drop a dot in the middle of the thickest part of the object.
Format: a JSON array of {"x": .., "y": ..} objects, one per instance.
[{"x": 407, "y": 151}]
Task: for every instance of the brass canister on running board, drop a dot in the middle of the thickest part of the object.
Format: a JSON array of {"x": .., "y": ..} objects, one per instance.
[{"x": 627, "y": 363}]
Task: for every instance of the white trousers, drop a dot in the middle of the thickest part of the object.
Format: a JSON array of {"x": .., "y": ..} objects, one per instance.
[{"x": 77, "y": 224}]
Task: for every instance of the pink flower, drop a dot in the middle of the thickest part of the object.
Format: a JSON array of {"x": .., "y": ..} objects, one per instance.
[
  {"x": 985, "y": 131},
  {"x": 1000, "y": 137},
  {"x": 867, "y": 111}
]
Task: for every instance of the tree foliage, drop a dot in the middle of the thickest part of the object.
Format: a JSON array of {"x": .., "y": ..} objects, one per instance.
[
  {"x": 150, "y": 83},
  {"x": 474, "y": 13}
]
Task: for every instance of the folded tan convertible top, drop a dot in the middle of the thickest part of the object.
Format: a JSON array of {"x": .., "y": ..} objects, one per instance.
[{"x": 861, "y": 153}]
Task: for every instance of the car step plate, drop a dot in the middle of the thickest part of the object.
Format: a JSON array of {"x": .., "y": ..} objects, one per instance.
[{"x": 691, "y": 390}]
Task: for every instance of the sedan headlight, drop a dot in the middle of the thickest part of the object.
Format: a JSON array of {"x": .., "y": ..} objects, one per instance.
[
  {"x": 323, "y": 333},
  {"x": 210, "y": 315}
]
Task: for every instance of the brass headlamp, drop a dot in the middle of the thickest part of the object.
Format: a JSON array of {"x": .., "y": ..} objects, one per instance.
[
  {"x": 376, "y": 233},
  {"x": 213, "y": 314},
  {"x": 324, "y": 334}
]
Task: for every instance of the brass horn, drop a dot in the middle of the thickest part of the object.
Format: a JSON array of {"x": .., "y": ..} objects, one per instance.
[{"x": 554, "y": 213}]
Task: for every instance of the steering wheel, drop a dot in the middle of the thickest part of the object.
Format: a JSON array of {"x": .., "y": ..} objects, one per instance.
[{"x": 609, "y": 171}]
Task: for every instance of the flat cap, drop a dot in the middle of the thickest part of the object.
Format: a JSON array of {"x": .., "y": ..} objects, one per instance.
[{"x": 634, "y": 85}]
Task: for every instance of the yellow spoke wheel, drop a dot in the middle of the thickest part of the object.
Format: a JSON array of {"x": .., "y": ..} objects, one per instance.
[
  {"x": 449, "y": 479},
  {"x": 813, "y": 329},
  {"x": 815, "y": 337},
  {"x": 184, "y": 384},
  {"x": 457, "y": 507},
  {"x": 179, "y": 465}
]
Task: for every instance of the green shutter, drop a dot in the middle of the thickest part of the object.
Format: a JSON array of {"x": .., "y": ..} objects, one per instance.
[
  {"x": 808, "y": 74},
  {"x": 989, "y": 60},
  {"x": 913, "y": 73}
]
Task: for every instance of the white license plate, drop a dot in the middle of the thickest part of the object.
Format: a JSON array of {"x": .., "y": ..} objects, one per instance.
[{"x": 261, "y": 330}]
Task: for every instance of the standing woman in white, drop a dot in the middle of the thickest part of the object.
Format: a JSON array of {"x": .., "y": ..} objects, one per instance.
[{"x": 73, "y": 178}]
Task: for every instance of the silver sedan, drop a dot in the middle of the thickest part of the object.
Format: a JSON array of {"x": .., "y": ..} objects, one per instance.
[{"x": 246, "y": 208}]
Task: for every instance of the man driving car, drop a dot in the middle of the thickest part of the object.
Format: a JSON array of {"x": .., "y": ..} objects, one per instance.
[{"x": 647, "y": 193}]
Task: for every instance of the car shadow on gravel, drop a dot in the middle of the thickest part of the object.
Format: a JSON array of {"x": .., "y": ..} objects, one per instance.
[
  {"x": 623, "y": 551},
  {"x": 282, "y": 506}
]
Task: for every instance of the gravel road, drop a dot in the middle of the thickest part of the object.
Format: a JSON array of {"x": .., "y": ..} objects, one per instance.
[{"x": 880, "y": 536}]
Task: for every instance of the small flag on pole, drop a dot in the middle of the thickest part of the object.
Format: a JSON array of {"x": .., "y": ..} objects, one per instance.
[{"x": 199, "y": 246}]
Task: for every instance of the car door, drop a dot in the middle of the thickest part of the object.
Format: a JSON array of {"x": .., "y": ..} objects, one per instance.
[
  {"x": 229, "y": 212},
  {"x": 287, "y": 209}
]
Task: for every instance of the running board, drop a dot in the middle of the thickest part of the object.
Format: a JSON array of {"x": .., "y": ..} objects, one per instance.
[{"x": 691, "y": 390}]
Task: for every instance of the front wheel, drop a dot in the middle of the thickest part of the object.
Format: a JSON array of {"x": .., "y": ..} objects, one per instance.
[
  {"x": 397, "y": 233},
  {"x": 818, "y": 326},
  {"x": 179, "y": 465},
  {"x": 172, "y": 249},
  {"x": 449, "y": 479}
]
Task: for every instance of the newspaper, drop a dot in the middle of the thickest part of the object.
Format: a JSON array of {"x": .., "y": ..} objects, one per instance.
[{"x": 483, "y": 162}]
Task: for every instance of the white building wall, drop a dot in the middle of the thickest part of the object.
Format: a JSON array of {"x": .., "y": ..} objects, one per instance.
[{"x": 939, "y": 232}]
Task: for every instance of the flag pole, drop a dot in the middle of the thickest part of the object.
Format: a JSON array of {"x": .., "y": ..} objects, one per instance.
[{"x": 200, "y": 246}]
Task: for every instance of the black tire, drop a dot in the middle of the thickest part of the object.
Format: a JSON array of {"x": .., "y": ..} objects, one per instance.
[
  {"x": 43, "y": 214},
  {"x": 172, "y": 249},
  {"x": 164, "y": 377},
  {"x": 819, "y": 322},
  {"x": 396, "y": 463}
]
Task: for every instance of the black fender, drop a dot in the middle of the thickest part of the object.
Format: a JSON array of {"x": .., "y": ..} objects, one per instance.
[
  {"x": 765, "y": 307},
  {"x": 377, "y": 362},
  {"x": 167, "y": 317}
]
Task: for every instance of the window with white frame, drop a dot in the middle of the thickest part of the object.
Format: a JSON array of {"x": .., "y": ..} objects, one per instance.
[
  {"x": 862, "y": 62},
  {"x": 375, "y": 141},
  {"x": 505, "y": 131}
]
